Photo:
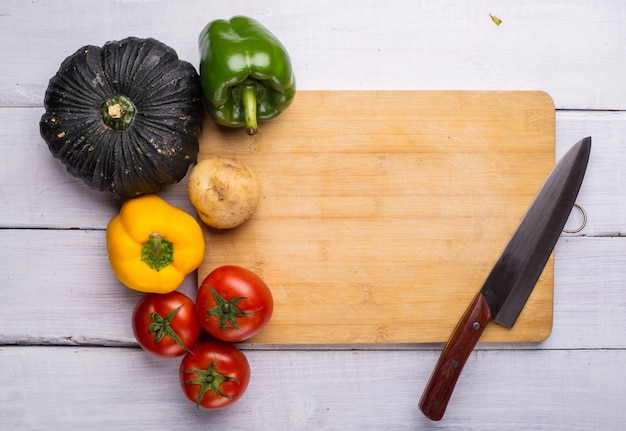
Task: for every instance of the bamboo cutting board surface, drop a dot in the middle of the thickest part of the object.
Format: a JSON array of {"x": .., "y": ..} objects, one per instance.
[{"x": 383, "y": 211}]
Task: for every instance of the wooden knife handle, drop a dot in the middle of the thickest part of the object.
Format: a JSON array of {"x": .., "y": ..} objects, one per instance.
[{"x": 453, "y": 357}]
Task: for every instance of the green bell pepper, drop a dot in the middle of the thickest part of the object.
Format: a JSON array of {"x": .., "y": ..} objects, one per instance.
[{"x": 245, "y": 71}]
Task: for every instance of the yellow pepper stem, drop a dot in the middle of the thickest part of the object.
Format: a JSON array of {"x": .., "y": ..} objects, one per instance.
[{"x": 157, "y": 252}]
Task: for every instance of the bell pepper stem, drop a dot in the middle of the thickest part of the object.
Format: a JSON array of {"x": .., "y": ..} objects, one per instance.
[
  {"x": 249, "y": 100},
  {"x": 156, "y": 245},
  {"x": 157, "y": 252}
]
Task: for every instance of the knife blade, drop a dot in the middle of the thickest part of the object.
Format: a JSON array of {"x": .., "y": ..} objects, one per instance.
[{"x": 512, "y": 279}]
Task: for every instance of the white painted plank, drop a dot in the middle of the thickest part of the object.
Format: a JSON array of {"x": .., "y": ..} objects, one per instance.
[
  {"x": 574, "y": 50},
  {"x": 126, "y": 389},
  {"x": 36, "y": 190},
  {"x": 589, "y": 294},
  {"x": 603, "y": 193},
  {"x": 61, "y": 290},
  {"x": 58, "y": 289}
]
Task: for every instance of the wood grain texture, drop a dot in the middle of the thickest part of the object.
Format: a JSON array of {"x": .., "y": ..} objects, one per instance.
[
  {"x": 573, "y": 380},
  {"x": 80, "y": 295},
  {"x": 571, "y": 50},
  {"x": 73, "y": 388},
  {"x": 383, "y": 212},
  {"x": 61, "y": 291},
  {"x": 47, "y": 197}
]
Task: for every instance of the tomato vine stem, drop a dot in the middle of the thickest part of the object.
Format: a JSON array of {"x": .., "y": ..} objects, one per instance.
[{"x": 226, "y": 310}]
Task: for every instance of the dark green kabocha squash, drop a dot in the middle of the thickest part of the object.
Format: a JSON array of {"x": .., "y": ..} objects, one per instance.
[{"x": 124, "y": 117}]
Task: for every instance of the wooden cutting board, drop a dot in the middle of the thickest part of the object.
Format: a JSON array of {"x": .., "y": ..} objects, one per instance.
[{"x": 384, "y": 211}]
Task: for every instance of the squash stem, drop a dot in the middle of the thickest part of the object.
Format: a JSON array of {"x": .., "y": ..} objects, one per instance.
[{"x": 118, "y": 112}]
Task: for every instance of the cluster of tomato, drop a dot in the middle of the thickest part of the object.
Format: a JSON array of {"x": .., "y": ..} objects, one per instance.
[{"x": 232, "y": 304}]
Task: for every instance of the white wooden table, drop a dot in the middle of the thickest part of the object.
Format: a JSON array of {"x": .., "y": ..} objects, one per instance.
[{"x": 68, "y": 359}]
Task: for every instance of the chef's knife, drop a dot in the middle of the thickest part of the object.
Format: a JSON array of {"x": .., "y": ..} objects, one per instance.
[{"x": 512, "y": 279}]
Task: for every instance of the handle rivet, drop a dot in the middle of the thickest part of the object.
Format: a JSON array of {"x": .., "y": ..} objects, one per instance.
[
  {"x": 455, "y": 364},
  {"x": 476, "y": 326},
  {"x": 437, "y": 405}
]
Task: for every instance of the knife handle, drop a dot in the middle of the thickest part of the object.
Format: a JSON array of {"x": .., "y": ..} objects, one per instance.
[{"x": 453, "y": 357}]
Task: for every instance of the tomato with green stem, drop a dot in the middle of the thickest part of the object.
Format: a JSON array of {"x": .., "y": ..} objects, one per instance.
[
  {"x": 214, "y": 375},
  {"x": 166, "y": 325},
  {"x": 233, "y": 303}
]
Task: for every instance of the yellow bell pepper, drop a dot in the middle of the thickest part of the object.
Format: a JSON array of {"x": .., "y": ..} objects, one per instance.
[{"x": 153, "y": 245}]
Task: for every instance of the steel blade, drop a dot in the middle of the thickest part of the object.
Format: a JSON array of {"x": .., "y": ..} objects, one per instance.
[{"x": 516, "y": 272}]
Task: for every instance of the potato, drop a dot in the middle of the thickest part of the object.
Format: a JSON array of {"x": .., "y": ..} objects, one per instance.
[{"x": 224, "y": 191}]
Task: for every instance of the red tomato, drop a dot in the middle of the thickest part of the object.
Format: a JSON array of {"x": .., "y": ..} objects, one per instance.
[
  {"x": 233, "y": 303},
  {"x": 166, "y": 324},
  {"x": 214, "y": 375}
]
